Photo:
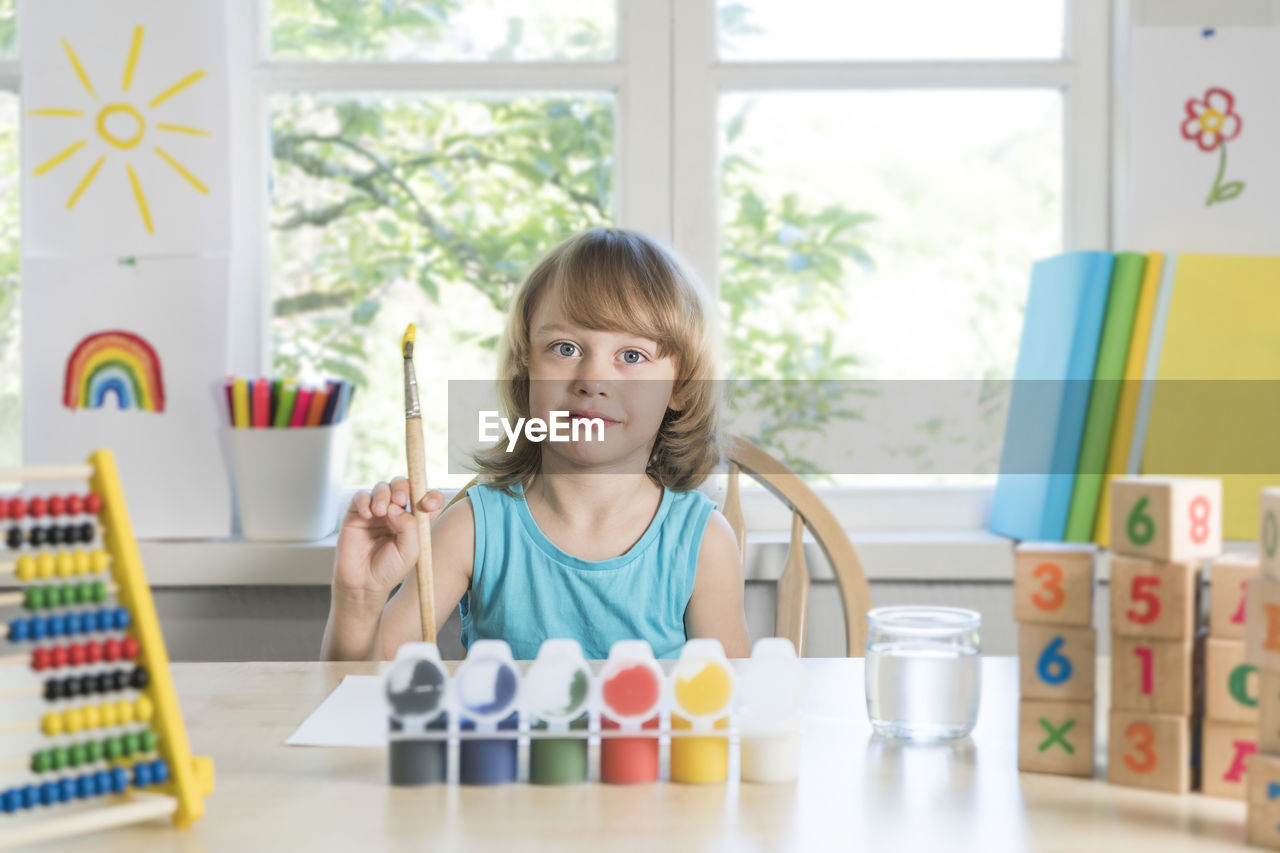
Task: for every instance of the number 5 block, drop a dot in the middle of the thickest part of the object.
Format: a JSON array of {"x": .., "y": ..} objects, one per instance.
[
  {"x": 1149, "y": 751},
  {"x": 1152, "y": 675},
  {"x": 1055, "y": 737},
  {"x": 1153, "y": 599},
  {"x": 1056, "y": 662},
  {"x": 1173, "y": 519},
  {"x": 1053, "y": 583}
]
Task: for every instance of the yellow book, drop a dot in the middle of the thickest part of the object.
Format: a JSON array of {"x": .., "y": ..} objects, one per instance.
[
  {"x": 1127, "y": 407},
  {"x": 1223, "y": 325}
]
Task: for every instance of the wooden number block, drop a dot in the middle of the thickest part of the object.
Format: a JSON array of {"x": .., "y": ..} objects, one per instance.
[
  {"x": 1269, "y": 532},
  {"x": 1224, "y": 750},
  {"x": 1055, "y": 737},
  {"x": 1053, "y": 583},
  {"x": 1153, "y": 599},
  {"x": 1056, "y": 662},
  {"x": 1149, "y": 751},
  {"x": 1155, "y": 676},
  {"x": 1230, "y": 684},
  {"x": 1263, "y": 786},
  {"x": 1227, "y": 577},
  {"x": 1173, "y": 519},
  {"x": 1269, "y": 710},
  {"x": 1262, "y": 622}
]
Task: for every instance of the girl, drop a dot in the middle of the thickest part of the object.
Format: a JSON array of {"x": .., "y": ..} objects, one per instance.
[{"x": 595, "y": 540}]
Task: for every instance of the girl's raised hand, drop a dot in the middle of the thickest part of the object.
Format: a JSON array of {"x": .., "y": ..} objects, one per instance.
[{"x": 378, "y": 543}]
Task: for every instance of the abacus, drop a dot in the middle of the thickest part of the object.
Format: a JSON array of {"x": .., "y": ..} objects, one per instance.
[{"x": 112, "y": 746}]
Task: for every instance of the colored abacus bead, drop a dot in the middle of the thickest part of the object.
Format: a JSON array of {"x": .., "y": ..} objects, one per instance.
[
  {"x": 142, "y": 774},
  {"x": 51, "y": 724},
  {"x": 76, "y": 755},
  {"x": 45, "y": 565},
  {"x": 75, "y": 504},
  {"x": 138, "y": 679},
  {"x": 84, "y": 532},
  {"x": 36, "y": 536},
  {"x": 13, "y": 538},
  {"x": 17, "y": 508},
  {"x": 93, "y": 651},
  {"x": 50, "y": 794},
  {"x": 37, "y": 507},
  {"x": 25, "y": 567},
  {"x": 110, "y": 715},
  {"x": 129, "y": 647},
  {"x": 68, "y": 786},
  {"x": 119, "y": 780},
  {"x": 77, "y": 654},
  {"x": 58, "y": 657},
  {"x": 144, "y": 709},
  {"x": 160, "y": 771},
  {"x": 92, "y": 503},
  {"x": 57, "y": 505},
  {"x": 111, "y": 650},
  {"x": 98, "y": 562},
  {"x": 66, "y": 565}
]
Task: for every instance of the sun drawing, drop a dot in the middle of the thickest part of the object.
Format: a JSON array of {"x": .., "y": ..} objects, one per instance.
[{"x": 122, "y": 126}]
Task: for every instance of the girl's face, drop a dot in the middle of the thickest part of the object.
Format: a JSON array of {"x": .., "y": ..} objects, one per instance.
[{"x": 615, "y": 376}]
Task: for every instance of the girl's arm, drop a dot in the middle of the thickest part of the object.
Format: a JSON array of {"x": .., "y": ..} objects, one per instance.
[{"x": 716, "y": 608}]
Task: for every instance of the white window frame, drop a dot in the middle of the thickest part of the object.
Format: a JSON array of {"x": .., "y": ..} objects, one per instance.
[{"x": 666, "y": 80}]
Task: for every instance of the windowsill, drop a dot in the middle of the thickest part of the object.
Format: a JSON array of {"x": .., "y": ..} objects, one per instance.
[{"x": 890, "y": 556}]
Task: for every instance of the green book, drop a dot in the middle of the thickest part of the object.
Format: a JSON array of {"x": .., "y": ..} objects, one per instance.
[{"x": 1104, "y": 394}]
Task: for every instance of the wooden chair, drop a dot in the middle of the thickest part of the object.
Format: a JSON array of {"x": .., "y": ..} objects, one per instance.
[{"x": 807, "y": 510}]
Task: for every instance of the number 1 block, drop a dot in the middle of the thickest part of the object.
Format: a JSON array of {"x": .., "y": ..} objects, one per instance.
[
  {"x": 1055, "y": 737},
  {"x": 1263, "y": 786},
  {"x": 1226, "y": 594},
  {"x": 1056, "y": 662},
  {"x": 1149, "y": 751},
  {"x": 1153, "y": 599},
  {"x": 1156, "y": 676},
  {"x": 1262, "y": 622},
  {"x": 1172, "y": 519},
  {"x": 1230, "y": 684},
  {"x": 1224, "y": 752},
  {"x": 1053, "y": 583}
]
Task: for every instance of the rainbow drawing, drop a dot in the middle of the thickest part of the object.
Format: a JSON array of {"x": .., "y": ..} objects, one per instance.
[{"x": 114, "y": 362}]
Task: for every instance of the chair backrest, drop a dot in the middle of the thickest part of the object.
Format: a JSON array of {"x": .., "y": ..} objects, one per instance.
[{"x": 807, "y": 511}]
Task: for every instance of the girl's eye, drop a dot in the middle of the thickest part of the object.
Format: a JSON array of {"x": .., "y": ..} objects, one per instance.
[
  {"x": 566, "y": 349},
  {"x": 633, "y": 356}
]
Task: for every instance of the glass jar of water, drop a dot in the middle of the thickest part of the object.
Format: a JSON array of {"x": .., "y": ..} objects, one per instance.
[{"x": 923, "y": 671}]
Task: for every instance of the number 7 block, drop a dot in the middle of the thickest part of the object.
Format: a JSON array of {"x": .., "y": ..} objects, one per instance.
[
  {"x": 1154, "y": 599},
  {"x": 1149, "y": 751},
  {"x": 1172, "y": 519},
  {"x": 1053, "y": 583}
]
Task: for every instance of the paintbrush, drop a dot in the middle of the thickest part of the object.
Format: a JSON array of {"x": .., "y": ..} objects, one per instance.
[{"x": 417, "y": 458}]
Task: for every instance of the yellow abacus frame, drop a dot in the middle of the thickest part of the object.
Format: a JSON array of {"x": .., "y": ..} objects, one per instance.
[{"x": 191, "y": 778}]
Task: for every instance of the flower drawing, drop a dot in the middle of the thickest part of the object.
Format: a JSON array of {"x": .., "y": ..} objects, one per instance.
[{"x": 1211, "y": 123}]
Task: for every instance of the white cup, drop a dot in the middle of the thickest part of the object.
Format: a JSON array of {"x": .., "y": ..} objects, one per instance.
[{"x": 288, "y": 481}]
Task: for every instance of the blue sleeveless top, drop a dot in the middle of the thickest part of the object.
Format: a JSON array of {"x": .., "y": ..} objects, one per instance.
[{"x": 525, "y": 590}]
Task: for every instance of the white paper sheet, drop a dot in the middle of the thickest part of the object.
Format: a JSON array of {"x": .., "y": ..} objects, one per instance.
[
  {"x": 163, "y": 123},
  {"x": 354, "y": 714},
  {"x": 171, "y": 463},
  {"x": 1170, "y": 176}
]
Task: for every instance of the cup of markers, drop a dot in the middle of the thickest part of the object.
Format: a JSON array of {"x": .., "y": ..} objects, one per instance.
[{"x": 288, "y": 446}]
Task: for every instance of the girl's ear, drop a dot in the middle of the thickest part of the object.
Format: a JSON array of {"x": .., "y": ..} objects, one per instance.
[{"x": 677, "y": 401}]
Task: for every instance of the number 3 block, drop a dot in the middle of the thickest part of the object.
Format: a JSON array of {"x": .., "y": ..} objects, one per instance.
[
  {"x": 1149, "y": 751},
  {"x": 1224, "y": 752},
  {"x": 1053, "y": 583},
  {"x": 1055, "y": 737},
  {"x": 1153, "y": 599},
  {"x": 1152, "y": 675},
  {"x": 1173, "y": 519},
  {"x": 1056, "y": 662}
]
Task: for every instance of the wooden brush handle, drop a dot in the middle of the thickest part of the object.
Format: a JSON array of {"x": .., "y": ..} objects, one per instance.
[{"x": 417, "y": 488}]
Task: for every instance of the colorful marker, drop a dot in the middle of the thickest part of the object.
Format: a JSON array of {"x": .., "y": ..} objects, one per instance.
[
  {"x": 284, "y": 410},
  {"x": 301, "y": 406},
  {"x": 240, "y": 395},
  {"x": 260, "y": 408},
  {"x": 315, "y": 413}
]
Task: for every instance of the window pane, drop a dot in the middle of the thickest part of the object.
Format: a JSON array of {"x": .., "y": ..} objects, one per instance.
[
  {"x": 444, "y": 30},
  {"x": 8, "y": 29},
  {"x": 388, "y": 210},
  {"x": 902, "y": 29},
  {"x": 10, "y": 327},
  {"x": 887, "y": 235}
]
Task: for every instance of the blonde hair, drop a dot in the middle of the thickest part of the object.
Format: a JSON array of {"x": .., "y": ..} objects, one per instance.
[{"x": 612, "y": 279}]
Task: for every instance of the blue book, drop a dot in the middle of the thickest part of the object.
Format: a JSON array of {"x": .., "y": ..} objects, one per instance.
[{"x": 1066, "y": 306}]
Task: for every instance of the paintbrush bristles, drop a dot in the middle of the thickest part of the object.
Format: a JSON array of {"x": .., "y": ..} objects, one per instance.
[{"x": 406, "y": 343}]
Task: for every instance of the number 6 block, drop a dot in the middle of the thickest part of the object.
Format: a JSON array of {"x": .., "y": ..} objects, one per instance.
[
  {"x": 1149, "y": 751},
  {"x": 1173, "y": 519},
  {"x": 1056, "y": 662},
  {"x": 1053, "y": 583},
  {"x": 1153, "y": 599}
]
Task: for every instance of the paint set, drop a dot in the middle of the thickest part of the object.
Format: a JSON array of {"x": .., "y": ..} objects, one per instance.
[{"x": 493, "y": 722}]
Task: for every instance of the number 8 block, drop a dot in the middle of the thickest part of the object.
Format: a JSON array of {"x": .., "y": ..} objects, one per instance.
[
  {"x": 1056, "y": 662},
  {"x": 1172, "y": 519}
]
